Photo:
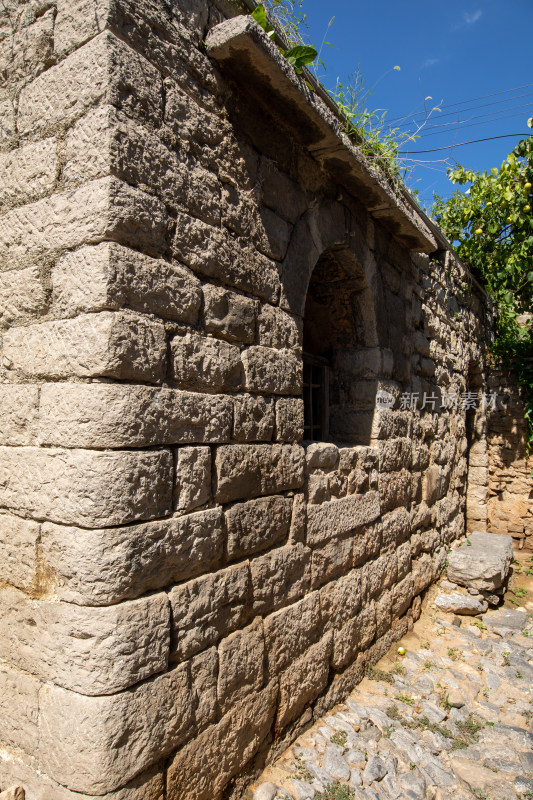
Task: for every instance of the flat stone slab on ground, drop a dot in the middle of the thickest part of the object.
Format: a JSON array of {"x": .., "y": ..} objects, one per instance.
[{"x": 460, "y": 604}]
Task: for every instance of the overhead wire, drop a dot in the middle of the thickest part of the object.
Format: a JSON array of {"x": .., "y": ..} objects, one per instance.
[
  {"x": 470, "y": 125},
  {"x": 467, "y": 110},
  {"x": 459, "y": 144}
]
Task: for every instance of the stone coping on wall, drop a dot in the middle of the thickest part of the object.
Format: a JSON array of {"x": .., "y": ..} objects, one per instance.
[{"x": 247, "y": 55}]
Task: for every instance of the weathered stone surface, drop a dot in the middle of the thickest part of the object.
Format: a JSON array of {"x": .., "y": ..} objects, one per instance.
[
  {"x": 229, "y": 315},
  {"x": 120, "y": 345},
  {"x": 193, "y": 477},
  {"x": 321, "y": 455},
  {"x": 272, "y": 371},
  {"x": 15, "y": 767},
  {"x": 253, "y": 418},
  {"x": 278, "y": 329},
  {"x": 341, "y": 600},
  {"x": 257, "y": 525},
  {"x": 87, "y": 650},
  {"x": 27, "y": 45},
  {"x": 18, "y": 551},
  {"x": 85, "y": 487},
  {"x": 201, "y": 362},
  {"x": 19, "y": 706},
  {"x": 515, "y": 618},
  {"x": 205, "y": 766},
  {"x": 110, "y": 276},
  {"x": 482, "y": 564},
  {"x": 208, "y": 608},
  {"x": 104, "y": 70},
  {"x": 15, "y": 793},
  {"x": 460, "y": 604},
  {"x": 303, "y": 681},
  {"x": 341, "y": 516},
  {"x": 27, "y": 173},
  {"x": 22, "y": 295},
  {"x": 100, "y": 567},
  {"x": 291, "y": 631},
  {"x": 102, "y": 209},
  {"x": 252, "y": 470},
  {"x": 280, "y": 577},
  {"x": 240, "y": 665},
  {"x": 18, "y": 414},
  {"x": 97, "y": 744},
  {"x": 289, "y": 419},
  {"x": 213, "y": 253},
  {"x": 113, "y": 415}
]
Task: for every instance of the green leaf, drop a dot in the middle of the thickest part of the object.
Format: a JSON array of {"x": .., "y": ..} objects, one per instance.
[
  {"x": 260, "y": 16},
  {"x": 301, "y": 55}
]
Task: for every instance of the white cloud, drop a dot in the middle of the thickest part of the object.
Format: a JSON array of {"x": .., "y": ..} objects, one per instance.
[
  {"x": 430, "y": 62},
  {"x": 470, "y": 19}
]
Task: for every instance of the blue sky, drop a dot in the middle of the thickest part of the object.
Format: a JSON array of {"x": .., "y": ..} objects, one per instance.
[{"x": 450, "y": 51}]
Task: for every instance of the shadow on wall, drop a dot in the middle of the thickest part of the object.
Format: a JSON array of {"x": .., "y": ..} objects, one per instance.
[{"x": 341, "y": 359}]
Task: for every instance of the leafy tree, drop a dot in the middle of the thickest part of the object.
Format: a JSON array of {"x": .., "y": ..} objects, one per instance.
[{"x": 491, "y": 226}]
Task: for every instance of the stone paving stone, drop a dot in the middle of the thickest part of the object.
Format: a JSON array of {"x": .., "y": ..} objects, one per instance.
[{"x": 452, "y": 721}]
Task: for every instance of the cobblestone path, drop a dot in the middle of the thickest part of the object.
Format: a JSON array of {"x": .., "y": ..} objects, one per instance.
[{"x": 449, "y": 719}]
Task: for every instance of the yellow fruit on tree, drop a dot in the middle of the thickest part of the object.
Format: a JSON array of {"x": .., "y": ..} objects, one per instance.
[
  {"x": 527, "y": 208},
  {"x": 527, "y": 186},
  {"x": 479, "y": 231}
]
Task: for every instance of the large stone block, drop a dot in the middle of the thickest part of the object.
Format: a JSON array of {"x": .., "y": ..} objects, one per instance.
[
  {"x": 16, "y": 768},
  {"x": 214, "y": 253},
  {"x": 204, "y": 767},
  {"x": 102, "y": 209},
  {"x": 340, "y": 600},
  {"x": 22, "y": 295},
  {"x": 331, "y": 559},
  {"x": 208, "y": 608},
  {"x": 19, "y": 709},
  {"x": 84, "y": 487},
  {"x": 280, "y": 577},
  {"x": 18, "y": 414},
  {"x": 257, "y": 525},
  {"x": 394, "y": 489},
  {"x": 272, "y": 371},
  {"x": 110, "y": 276},
  {"x": 18, "y": 551},
  {"x": 258, "y": 469},
  {"x": 113, "y": 344},
  {"x": 253, "y": 418},
  {"x": 279, "y": 329},
  {"x": 100, "y": 567},
  {"x": 103, "y": 70},
  {"x": 201, "y": 362},
  {"x": 87, "y": 650},
  {"x": 289, "y": 419},
  {"x": 483, "y": 563},
  {"x": 118, "y": 415},
  {"x": 337, "y": 517},
  {"x": 27, "y": 173},
  {"x": 97, "y": 744},
  {"x": 193, "y": 477},
  {"x": 353, "y": 637},
  {"x": 27, "y": 44},
  {"x": 240, "y": 665},
  {"x": 229, "y": 315},
  {"x": 303, "y": 681},
  {"x": 291, "y": 631}
]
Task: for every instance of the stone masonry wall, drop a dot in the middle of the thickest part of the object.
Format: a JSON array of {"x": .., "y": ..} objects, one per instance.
[
  {"x": 510, "y": 488},
  {"x": 185, "y": 582}
]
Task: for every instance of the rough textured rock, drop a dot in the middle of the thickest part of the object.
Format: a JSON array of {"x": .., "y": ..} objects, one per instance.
[
  {"x": 482, "y": 564},
  {"x": 460, "y": 604}
]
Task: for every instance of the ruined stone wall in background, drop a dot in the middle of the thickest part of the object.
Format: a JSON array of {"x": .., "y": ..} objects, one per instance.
[
  {"x": 185, "y": 583},
  {"x": 510, "y": 486}
]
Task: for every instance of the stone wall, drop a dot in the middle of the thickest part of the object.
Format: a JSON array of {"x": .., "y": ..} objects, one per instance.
[
  {"x": 186, "y": 582},
  {"x": 510, "y": 488}
]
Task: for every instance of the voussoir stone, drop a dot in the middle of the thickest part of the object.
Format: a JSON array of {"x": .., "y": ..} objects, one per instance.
[
  {"x": 87, "y": 650},
  {"x": 484, "y": 564},
  {"x": 86, "y": 487},
  {"x": 116, "y": 415},
  {"x": 100, "y": 567}
]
